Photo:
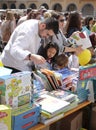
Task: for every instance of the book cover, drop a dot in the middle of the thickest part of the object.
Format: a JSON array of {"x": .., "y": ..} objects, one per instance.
[
  {"x": 52, "y": 104},
  {"x": 53, "y": 77},
  {"x": 81, "y": 38},
  {"x": 45, "y": 80},
  {"x": 63, "y": 95},
  {"x": 49, "y": 79}
]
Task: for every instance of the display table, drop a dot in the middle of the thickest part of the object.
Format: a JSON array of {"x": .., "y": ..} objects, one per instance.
[{"x": 40, "y": 126}]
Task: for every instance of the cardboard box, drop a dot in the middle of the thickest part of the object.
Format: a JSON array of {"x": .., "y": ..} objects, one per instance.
[
  {"x": 15, "y": 89},
  {"x": 27, "y": 119},
  {"x": 5, "y": 118},
  {"x": 93, "y": 119},
  {"x": 72, "y": 122}
]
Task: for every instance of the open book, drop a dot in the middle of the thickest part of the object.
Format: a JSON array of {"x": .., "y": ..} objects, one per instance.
[{"x": 81, "y": 38}]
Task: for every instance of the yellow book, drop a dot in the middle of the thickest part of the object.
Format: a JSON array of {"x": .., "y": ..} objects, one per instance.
[{"x": 5, "y": 118}]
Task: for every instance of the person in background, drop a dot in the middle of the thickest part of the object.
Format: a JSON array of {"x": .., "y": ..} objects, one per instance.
[
  {"x": 17, "y": 17},
  {"x": 73, "y": 23},
  {"x": 92, "y": 37},
  {"x": 7, "y": 27},
  {"x": 93, "y": 29},
  {"x": 88, "y": 22},
  {"x": 24, "y": 18},
  {"x": 24, "y": 43},
  {"x": 34, "y": 14},
  {"x": 60, "y": 39},
  {"x": 47, "y": 14}
]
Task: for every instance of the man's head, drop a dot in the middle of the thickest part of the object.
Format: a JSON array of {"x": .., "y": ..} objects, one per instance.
[{"x": 48, "y": 27}]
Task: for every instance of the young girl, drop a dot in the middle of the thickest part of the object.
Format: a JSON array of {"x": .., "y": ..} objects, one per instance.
[{"x": 49, "y": 52}]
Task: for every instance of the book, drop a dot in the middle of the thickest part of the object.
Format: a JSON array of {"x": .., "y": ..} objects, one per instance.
[
  {"x": 63, "y": 95},
  {"x": 81, "y": 38},
  {"x": 52, "y": 105},
  {"x": 68, "y": 78},
  {"x": 45, "y": 80},
  {"x": 52, "y": 78},
  {"x": 49, "y": 79},
  {"x": 72, "y": 105},
  {"x": 55, "y": 118}
]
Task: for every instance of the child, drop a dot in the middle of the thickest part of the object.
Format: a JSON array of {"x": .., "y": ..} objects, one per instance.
[
  {"x": 49, "y": 52},
  {"x": 61, "y": 61}
]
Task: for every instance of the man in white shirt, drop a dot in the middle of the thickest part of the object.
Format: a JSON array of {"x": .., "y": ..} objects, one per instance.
[{"x": 24, "y": 43}]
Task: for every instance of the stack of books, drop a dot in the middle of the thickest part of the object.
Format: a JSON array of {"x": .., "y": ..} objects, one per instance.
[
  {"x": 51, "y": 106},
  {"x": 66, "y": 96},
  {"x": 69, "y": 77}
]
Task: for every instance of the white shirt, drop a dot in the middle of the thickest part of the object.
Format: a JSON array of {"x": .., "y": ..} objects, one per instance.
[
  {"x": 73, "y": 61},
  {"x": 24, "y": 40}
]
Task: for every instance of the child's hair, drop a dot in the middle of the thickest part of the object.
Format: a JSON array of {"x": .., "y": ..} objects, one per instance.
[
  {"x": 52, "y": 45},
  {"x": 61, "y": 61},
  {"x": 43, "y": 50}
]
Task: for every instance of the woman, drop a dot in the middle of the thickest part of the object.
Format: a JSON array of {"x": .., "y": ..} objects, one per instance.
[
  {"x": 7, "y": 27},
  {"x": 73, "y": 23}
]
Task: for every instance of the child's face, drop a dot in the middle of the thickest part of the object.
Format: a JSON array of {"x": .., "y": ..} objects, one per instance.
[{"x": 51, "y": 52}]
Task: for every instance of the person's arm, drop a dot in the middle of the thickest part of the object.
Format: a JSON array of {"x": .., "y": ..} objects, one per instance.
[
  {"x": 37, "y": 59},
  {"x": 77, "y": 50}
]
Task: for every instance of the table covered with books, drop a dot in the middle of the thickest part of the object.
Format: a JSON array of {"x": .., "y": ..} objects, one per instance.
[
  {"x": 38, "y": 99},
  {"x": 41, "y": 126}
]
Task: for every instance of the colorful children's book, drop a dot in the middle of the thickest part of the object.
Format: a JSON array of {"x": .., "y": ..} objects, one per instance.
[
  {"x": 81, "y": 38},
  {"x": 49, "y": 77}
]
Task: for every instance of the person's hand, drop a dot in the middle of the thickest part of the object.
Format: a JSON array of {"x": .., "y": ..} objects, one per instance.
[
  {"x": 37, "y": 59},
  {"x": 78, "y": 50}
]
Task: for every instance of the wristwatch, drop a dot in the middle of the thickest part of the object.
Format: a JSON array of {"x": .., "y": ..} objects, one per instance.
[{"x": 29, "y": 56}]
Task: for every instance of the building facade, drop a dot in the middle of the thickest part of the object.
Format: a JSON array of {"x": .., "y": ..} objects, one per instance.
[{"x": 87, "y": 7}]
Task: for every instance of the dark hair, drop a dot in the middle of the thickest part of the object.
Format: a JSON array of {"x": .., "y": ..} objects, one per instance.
[
  {"x": 43, "y": 50},
  {"x": 74, "y": 21},
  {"x": 33, "y": 14},
  {"x": 57, "y": 15},
  {"x": 51, "y": 23},
  {"x": 28, "y": 10},
  {"x": 52, "y": 45},
  {"x": 87, "y": 21},
  {"x": 61, "y": 60}
]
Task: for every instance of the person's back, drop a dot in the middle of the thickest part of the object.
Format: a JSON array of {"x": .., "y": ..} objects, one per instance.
[{"x": 7, "y": 27}]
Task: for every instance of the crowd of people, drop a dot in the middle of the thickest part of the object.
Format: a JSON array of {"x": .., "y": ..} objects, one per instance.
[{"x": 41, "y": 36}]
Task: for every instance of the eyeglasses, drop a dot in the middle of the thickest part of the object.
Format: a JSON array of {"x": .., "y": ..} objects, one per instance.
[{"x": 61, "y": 20}]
